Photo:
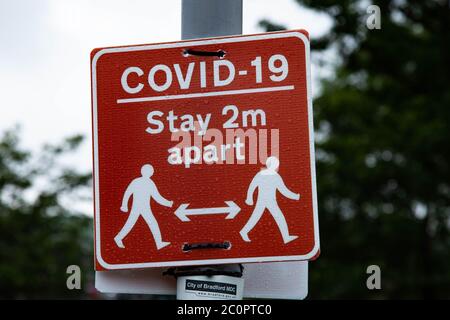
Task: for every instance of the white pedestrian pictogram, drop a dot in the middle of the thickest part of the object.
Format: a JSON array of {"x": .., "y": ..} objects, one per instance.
[
  {"x": 143, "y": 189},
  {"x": 268, "y": 182}
]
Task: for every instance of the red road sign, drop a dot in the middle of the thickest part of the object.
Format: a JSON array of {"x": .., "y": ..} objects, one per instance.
[{"x": 204, "y": 152}]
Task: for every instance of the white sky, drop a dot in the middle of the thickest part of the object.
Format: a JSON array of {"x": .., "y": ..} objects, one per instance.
[{"x": 45, "y": 50}]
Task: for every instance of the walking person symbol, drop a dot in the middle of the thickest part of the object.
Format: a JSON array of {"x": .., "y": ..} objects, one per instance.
[
  {"x": 142, "y": 189},
  {"x": 268, "y": 182}
]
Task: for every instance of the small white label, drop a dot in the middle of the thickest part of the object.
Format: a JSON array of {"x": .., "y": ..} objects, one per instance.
[{"x": 209, "y": 288}]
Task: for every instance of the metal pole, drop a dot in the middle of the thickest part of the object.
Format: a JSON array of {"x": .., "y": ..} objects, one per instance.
[
  {"x": 210, "y": 18},
  {"x": 203, "y": 19}
]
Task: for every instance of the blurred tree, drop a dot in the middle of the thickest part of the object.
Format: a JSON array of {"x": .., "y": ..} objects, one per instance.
[
  {"x": 39, "y": 237},
  {"x": 383, "y": 149}
]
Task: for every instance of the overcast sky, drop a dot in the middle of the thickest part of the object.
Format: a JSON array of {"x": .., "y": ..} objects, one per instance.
[{"x": 45, "y": 47}]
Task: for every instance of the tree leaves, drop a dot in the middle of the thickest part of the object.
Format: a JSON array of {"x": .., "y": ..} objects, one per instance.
[
  {"x": 384, "y": 125},
  {"x": 39, "y": 237}
]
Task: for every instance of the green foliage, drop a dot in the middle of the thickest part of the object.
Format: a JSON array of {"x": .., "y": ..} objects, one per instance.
[
  {"x": 39, "y": 237},
  {"x": 270, "y": 26},
  {"x": 383, "y": 151}
]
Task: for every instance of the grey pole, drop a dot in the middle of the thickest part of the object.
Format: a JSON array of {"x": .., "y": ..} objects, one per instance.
[
  {"x": 204, "y": 19},
  {"x": 210, "y": 18}
]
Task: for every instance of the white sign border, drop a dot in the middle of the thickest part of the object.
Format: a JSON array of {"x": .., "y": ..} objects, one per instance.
[{"x": 275, "y": 35}]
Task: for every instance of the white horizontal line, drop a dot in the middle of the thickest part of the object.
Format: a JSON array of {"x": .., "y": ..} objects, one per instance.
[{"x": 205, "y": 94}]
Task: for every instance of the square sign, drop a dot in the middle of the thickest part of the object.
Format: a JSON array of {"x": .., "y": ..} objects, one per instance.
[{"x": 204, "y": 152}]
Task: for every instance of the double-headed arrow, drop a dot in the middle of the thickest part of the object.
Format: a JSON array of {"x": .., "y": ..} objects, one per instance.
[{"x": 183, "y": 212}]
